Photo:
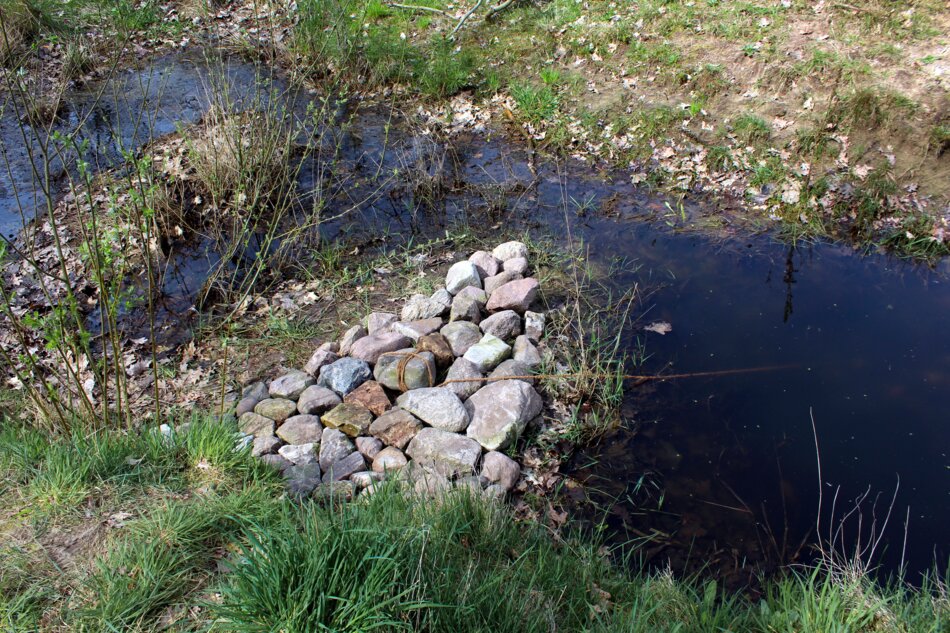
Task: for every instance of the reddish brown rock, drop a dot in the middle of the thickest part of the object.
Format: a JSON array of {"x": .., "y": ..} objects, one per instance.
[
  {"x": 372, "y": 396},
  {"x": 439, "y": 346},
  {"x": 515, "y": 295}
]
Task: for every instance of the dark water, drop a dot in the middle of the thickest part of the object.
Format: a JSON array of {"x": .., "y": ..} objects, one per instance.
[{"x": 721, "y": 471}]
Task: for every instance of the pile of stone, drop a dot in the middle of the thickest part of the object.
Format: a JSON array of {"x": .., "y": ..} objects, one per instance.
[{"x": 406, "y": 395}]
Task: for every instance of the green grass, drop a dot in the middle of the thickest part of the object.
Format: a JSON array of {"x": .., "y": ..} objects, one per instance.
[
  {"x": 535, "y": 103},
  {"x": 225, "y": 551}
]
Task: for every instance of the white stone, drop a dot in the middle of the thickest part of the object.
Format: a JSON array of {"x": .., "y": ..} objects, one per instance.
[
  {"x": 488, "y": 353},
  {"x": 510, "y": 250},
  {"x": 461, "y": 275},
  {"x": 436, "y": 406}
]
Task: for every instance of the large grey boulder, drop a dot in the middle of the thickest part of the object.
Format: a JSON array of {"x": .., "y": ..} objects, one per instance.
[
  {"x": 290, "y": 385},
  {"x": 436, "y": 406},
  {"x": 506, "y": 325},
  {"x": 488, "y": 353},
  {"x": 500, "y": 411},
  {"x": 444, "y": 451},
  {"x": 461, "y": 275},
  {"x": 334, "y": 446},
  {"x": 461, "y": 335},
  {"x": 419, "y": 371},
  {"x": 344, "y": 375},
  {"x": 370, "y": 348},
  {"x": 317, "y": 399},
  {"x": 301, "y": 429},
  {"x": 460, "y": 370}
]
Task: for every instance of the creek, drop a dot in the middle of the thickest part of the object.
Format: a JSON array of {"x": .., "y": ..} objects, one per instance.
[{"x": 721, "y": 470}]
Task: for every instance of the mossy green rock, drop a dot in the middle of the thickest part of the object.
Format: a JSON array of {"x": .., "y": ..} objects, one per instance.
[{"x": 350, "y": 418}]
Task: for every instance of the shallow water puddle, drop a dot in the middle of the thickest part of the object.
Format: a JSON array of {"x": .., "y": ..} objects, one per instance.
[{"x": 721, "y": 471}]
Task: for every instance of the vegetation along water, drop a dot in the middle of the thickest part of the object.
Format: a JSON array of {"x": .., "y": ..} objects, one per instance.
[{"x": 511, "y": 315}]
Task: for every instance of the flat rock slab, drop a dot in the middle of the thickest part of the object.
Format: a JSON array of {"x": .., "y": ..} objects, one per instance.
[
  {"x": 344, "y": 375},
  {"x": 526, "y": 352},
  {"x": 436, "y": 407},
  {"x": 534, "y": 325},
  {"x": 255, "y": 391},
  {"x": 461, "y": 335},
  {"x": 488, "y": 353},
  {"x": 396, "y": 428},
  {"x": 369, "y": 348},
  {"x": 447, "y": 452},
  {"x": 350, "y": 418},
  {"x": 419, "y": 371},
  {"x": 494, "y": 283},
  {"x": 500, "y": 411},
  {"x": 317, "y": 399},
  {"x": 257, "y": 425},
  {"x": 414, "y": 329},
  {"x": 301, "y": 429},
  {"x": 515, "y": 295},
  {"x": 372, "y": 396},
  {"x": 277, "y": 409}
]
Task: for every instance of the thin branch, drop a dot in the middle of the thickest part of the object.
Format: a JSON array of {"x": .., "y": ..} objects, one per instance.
[
  {"x": 465, "y": 18},
  {"x": 413, "y": 7},
  {"x": 498, "y": 9}
]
